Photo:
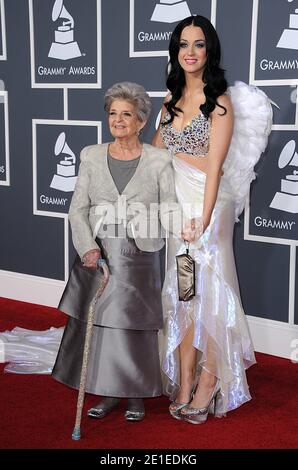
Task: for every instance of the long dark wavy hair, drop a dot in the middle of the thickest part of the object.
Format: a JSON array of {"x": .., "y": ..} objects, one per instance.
[{"x": 213, "y": 74}]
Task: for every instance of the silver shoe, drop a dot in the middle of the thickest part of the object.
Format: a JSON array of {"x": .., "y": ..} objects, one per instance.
[
  {"x": 102, "y": 409},
  {"x": 176, "y": 413},
  {"x": 200, "y": 415},
  {"x": 131, "y": 415}
]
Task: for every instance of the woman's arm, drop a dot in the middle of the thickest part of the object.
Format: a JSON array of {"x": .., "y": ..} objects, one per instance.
[
  {"x": 79, "y": 213},
  {"x": 157, "y": 139},
  {"x": 170, "y": 212},
  {"x": 220, "y": 138}
]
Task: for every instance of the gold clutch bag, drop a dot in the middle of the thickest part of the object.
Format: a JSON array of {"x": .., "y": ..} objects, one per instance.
[{"x": 185, "y": 276}]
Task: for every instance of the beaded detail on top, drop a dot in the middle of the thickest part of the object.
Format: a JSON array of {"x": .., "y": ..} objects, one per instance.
[{"x": 193, "y": 139}]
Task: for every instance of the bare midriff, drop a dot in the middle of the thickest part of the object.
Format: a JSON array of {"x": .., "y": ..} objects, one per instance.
[{"x": 198, "y": 161}]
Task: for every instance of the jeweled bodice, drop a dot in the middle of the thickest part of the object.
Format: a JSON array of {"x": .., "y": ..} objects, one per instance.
[{"x": 193, "y": 139}]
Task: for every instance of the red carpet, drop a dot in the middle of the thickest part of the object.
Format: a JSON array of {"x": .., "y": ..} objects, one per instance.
[{"x": 38, "y": 412}]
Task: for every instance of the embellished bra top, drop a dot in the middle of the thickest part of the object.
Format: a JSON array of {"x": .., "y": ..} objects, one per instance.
[{"x": 193, "y": 139}]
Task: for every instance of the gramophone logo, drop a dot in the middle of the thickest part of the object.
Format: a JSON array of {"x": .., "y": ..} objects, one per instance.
[
  {"x": 64, "y": 47},
  {"x": 287, "y": 198},
  {"x": 151, "y": 24},
  {"x": 274, "y": 42},
  {"x": 170, "y": 11},
  {"x": 65, "y": 43},
  {"x": 56, "y": 148},
  {"x": 289, "y": 37},
  {"x": 65, "y": 178}
]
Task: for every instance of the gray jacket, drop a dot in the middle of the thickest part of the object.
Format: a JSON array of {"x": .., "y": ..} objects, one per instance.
[{"x": 96, "y": 203}]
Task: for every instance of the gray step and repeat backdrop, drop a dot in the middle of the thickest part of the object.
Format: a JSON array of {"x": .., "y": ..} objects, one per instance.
[{"x": 57, "y": 57}]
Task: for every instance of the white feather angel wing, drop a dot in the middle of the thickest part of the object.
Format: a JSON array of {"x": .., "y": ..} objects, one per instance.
[{"x": 252, "y": 126}]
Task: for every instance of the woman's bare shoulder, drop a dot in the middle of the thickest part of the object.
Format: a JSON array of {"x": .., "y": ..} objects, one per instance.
[{"x": 223, "y": 101}]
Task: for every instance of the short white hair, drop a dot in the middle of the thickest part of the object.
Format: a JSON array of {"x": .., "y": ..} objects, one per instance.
[{"x": 132, "y": 92}]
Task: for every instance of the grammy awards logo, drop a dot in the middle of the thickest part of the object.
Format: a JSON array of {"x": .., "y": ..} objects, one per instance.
[
  {"x": 64, "y": 47},
  {"x": 289, "y": 37},
  {"x": 287, "y": 198},
  {"x": 170, "y": 11},
  {"x": 64, "y": 179}
]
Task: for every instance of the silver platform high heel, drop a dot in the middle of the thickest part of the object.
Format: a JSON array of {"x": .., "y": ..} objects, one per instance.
[
  {"x": 176, "y": 412},
  {"x": 199, "y": 415}
]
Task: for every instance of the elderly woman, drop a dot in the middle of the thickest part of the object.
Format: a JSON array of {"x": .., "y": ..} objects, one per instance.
[{"x": 123, "y": 189}]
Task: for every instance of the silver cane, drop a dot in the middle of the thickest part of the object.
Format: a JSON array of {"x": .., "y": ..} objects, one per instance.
[{"x": 76, "y": 434}]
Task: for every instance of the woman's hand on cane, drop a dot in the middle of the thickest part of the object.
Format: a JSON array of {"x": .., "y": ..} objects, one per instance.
[{"x": 90, "y": 259}]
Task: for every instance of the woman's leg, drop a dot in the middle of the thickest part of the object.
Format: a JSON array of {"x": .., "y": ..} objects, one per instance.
[
  {"x": 135, "y": 404},
  {"x": 187, "y": 354},
  {"x": 204, "y": 390},
  {"x": 207, "y": 379}
]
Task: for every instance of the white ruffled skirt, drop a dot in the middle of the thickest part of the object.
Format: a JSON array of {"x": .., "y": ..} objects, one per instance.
[{"x": 221, "y": 334}]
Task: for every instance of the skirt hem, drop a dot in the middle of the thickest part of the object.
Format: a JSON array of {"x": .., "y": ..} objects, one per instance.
[{"x": 105, "y": 393}]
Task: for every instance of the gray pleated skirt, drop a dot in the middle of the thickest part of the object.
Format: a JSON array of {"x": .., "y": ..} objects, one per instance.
[
  {"x": 124, "y": 358},
  {"x": 123, "y": 363}
]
